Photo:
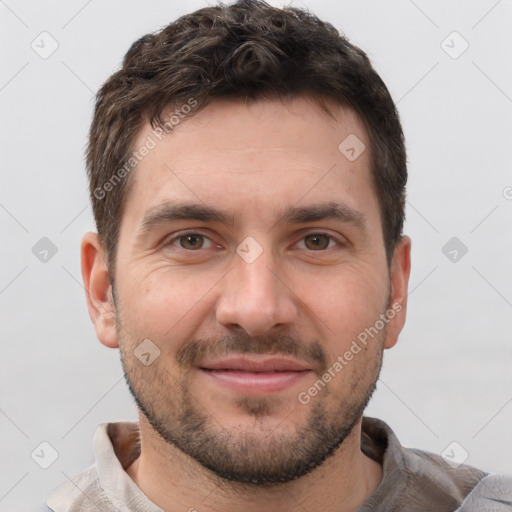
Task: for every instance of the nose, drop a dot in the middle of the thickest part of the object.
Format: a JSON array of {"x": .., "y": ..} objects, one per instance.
[{"x": 255, "y": 297}]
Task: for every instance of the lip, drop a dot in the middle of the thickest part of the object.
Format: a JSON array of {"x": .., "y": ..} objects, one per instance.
[
  {"x": 256, "y": 363},
  {"x": 255, "y": 375}
]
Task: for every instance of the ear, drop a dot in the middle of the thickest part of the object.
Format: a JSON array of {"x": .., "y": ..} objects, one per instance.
[
  {"x": 399, "y": 274},
  {"x": 98, "y": 290}
]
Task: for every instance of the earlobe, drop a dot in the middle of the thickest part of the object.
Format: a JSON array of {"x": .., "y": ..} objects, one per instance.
[
  {"x": 399, "y": 274},
  {"x": 98, "y": 290}
]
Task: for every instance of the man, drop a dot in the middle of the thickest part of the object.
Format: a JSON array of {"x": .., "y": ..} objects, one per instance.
[{"x": 247, "y": 174}]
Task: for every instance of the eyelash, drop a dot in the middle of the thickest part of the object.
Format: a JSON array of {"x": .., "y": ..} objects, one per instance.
[{"x": 177, "y": 237}]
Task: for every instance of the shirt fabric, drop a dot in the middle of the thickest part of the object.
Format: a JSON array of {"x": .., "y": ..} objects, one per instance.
[{"x": 413, "y": 480}]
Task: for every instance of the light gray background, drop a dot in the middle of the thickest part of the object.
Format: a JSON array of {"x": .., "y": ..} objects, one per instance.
[{"x": 448, "y": 379}]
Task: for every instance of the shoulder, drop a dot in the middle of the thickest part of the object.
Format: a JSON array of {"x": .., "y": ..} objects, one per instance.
[
  {"x": 492, "y": 493},
  {"x": 104, "y": 485},
  {"x": 80, "y": 493},
  {"x": 426, "y": 480}
]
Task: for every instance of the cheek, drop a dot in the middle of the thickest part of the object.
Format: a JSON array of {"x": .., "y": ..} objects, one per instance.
[
  {"x": 352, "y": 300},
  {"x": 354, "y": 340},
  {"x": 166, "y": 303}
]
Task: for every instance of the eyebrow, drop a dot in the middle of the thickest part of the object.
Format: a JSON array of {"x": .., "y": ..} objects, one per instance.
[
  {"x": 169, "y": 212},
  {"x": 316, "y": 212}
]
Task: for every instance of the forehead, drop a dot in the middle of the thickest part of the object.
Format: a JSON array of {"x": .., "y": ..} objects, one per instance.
[{"x": 250, "y": 155}]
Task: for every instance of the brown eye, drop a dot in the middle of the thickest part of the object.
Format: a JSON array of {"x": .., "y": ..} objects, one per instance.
[
  {"x": 317, "y": 242},
  {"x": 191, "y": 241}
]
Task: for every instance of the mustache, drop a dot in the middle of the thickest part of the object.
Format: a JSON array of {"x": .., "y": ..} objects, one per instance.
[{"x": 193, "y": 352}]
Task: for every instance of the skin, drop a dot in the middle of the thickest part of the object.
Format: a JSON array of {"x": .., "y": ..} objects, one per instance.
[{"x": 252, "y": 161}]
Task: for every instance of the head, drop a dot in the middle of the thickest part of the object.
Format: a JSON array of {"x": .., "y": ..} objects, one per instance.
[{"x": 247, "y": 173}]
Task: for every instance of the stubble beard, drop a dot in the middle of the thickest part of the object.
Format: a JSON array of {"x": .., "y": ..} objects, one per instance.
[{"x": 258, "y": 456}]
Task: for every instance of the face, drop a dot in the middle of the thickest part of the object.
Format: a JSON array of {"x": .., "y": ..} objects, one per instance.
[{"x": 253, "y": 295}]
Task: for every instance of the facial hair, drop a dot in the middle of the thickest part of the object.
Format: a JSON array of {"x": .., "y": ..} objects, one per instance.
[{"x": 255, "y": 456}]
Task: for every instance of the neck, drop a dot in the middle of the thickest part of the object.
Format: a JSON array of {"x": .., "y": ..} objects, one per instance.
[{"x": 175, "y": 482}]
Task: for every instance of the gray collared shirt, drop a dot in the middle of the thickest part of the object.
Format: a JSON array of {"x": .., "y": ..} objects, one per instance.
[{"x": 413, "y": 480}]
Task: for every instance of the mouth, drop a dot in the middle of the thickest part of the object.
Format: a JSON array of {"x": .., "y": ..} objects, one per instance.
[{"x": 255, "y": 374}]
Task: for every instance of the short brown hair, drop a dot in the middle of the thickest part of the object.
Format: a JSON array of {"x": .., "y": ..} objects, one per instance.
[{"x": 245, "y": 51}]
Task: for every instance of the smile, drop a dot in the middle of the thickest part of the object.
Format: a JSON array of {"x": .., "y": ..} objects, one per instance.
[{"x": 255, "y": 375}]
